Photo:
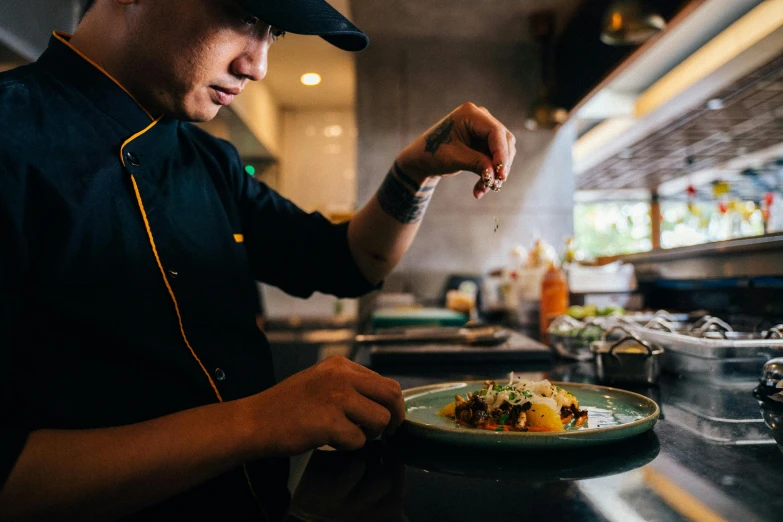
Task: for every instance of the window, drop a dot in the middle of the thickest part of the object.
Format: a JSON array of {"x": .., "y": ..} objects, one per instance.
[
  {"x": 615, "y": 228},
  {"x": 612, "y": 228},
  {"x": 686, "y": 224}
]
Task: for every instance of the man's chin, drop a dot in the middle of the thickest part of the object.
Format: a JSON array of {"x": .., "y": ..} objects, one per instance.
[{"x": 200, "y": 115}]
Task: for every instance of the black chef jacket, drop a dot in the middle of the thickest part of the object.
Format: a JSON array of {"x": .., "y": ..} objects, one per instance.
[{"x": 130, "y": 246}]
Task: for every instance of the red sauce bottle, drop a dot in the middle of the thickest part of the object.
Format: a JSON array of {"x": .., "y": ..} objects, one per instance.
[{"x": 554, "y": 298}]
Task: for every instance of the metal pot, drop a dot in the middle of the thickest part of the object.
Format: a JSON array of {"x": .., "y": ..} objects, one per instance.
[{"x": 629, "y": 360}]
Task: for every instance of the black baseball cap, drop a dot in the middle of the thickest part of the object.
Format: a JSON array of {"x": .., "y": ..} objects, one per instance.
[{"x": 315, "y": 17}]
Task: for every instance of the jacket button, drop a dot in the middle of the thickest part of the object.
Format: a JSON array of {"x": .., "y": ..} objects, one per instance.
[
  {"x": 132, "y": 159},
  {"x": 220, "y": 374}
]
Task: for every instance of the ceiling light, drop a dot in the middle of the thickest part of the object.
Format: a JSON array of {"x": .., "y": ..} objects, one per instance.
[
  {"x": 333, "y": 131},
  {"x": 630, "y": 22},
  {"x": 311, "y": 79},
  {"x": 715, "y": 104}
]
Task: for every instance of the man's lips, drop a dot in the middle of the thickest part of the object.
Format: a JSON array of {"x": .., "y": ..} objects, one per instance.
[{"x": 224, "y": 96}]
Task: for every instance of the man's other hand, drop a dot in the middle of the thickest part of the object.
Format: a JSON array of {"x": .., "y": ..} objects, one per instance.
[
  {"x": 336, "y": 402},
  {"x": 470, "y": 139}
]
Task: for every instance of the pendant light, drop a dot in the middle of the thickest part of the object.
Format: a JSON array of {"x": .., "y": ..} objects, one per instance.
[
  {"x": 630, "y": 22},
  {"x": 543, "y": 114}
]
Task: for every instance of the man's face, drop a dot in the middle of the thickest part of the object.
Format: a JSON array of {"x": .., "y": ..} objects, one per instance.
[{"x": 188, "y": 58}]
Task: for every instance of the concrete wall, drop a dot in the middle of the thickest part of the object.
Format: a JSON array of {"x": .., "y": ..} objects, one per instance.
[
  {"x": 406, "y": 86},
  {"x": 26, "y": 25}
]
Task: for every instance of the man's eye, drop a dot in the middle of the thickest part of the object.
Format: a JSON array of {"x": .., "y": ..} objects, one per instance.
[
  {"x": 276, "y": 33},
  {"x": 250, "y": 20}
]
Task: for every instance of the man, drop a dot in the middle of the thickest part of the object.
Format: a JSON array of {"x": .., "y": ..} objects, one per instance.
[{"x": 135, "y": 380}]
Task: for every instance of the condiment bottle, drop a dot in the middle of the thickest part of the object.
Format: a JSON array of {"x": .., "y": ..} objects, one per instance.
[{"x": 554, "y": 298}]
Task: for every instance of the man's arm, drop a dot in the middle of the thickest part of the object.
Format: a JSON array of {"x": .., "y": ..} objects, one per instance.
[
  {"x": 470, "y": 139},
  {"x": 110, "y": 472}
]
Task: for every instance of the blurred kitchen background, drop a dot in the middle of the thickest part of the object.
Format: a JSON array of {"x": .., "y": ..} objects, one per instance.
[{"x": 650, "y": 150}]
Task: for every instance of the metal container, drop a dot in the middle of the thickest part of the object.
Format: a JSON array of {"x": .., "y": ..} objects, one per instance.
[
  {"x": 713, "y": 360},
  {"x": 629, "y": 360},
  {"x": 658, "y": 323},
  {"x": 663, "y": 320},
  {"x": 710, "y": 325},
  {"x": 772, "y": 333},
  {"x": 769, "y": 392},
  {"x": 773, "y": 419},
  {"x": 770, "y": 389},
  {"x": 716, "y": 412}
]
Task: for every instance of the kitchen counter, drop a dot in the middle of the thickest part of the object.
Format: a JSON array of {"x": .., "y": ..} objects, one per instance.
[
  {"x": 709, "y": 457},
  {"x": 297, "y": 345}
]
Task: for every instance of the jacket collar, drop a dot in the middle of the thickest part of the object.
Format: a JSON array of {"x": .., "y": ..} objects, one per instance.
[{"x": 71, "y": 66}]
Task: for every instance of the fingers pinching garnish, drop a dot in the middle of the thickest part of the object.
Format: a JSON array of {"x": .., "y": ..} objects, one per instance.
[{"x": 487, "y": 178}]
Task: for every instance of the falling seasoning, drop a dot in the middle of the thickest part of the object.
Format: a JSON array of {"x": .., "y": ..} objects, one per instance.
[{"x": 497, "y": 223}]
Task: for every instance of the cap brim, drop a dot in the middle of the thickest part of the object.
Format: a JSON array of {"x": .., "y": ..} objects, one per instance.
[{"x": 312, "y": 17}]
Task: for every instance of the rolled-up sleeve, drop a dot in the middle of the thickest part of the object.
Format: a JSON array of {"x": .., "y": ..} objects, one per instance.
[
  {"x": 296, "y": 251},
  {"x": 13, "y": 260}
]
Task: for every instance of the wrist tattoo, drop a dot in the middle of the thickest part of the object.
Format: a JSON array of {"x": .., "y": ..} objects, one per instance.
[
  {"x": 402, "y": 198},
  {"x": 439, "y": 136}
]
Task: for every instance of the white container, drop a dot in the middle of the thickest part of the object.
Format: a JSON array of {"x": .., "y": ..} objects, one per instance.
[
  {"x": 529, "y": 283},
  {"x": 614, "y": 277}
]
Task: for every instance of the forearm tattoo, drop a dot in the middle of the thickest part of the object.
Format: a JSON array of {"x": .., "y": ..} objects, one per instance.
[
  {"x": 402, "y": 198},
  {"x": 439, "y": 136}
]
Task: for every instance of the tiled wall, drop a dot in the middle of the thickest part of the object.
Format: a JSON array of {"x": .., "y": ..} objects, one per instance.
[{"x": 406, "y": 86}]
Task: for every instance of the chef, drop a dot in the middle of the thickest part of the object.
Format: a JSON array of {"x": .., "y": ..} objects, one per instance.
[{"x": 135, "y": 381}]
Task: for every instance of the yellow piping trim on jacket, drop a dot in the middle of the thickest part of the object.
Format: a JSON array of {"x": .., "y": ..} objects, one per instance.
[
  {"x": 171, "y": 292},
  {"x": 63, "y": 38},
  {"x": 239, "y": 238},
  {"x": 174, "y": 299},
  {"x": 145, "y": 129}
]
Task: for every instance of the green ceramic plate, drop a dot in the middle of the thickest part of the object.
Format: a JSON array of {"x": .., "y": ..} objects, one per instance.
[{"x": 613, "y": 415}]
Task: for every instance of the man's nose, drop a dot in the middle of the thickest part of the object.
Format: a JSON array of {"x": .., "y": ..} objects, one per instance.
[{"x": 252, "y": 63}]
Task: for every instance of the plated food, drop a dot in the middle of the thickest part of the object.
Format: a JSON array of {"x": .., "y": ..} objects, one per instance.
[
  {"x": 614, "y": 415},
  {"x": 520, "y": 405}
]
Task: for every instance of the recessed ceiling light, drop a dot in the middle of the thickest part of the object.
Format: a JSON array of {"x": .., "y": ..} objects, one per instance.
[
  {"x": 715, "y": 104},
  {"x": 333, "y": 131},
  {"x": 311, "y": 78}
]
